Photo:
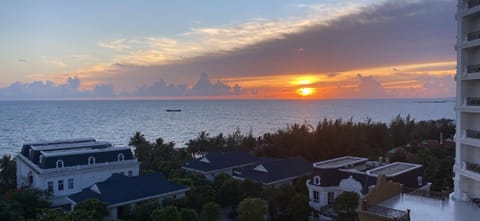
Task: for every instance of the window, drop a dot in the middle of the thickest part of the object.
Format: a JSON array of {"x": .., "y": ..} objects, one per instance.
[
  {"x": 120, "y": 157},
  {"x": 59, "y": 163},
  {"x": 50, "y": 187},
  {"x": 331, "y": 197},
  {"x": 315, "y": 197},
  {"x": 70, "y": 184},
  {"x": 316, "y": 180},
  {"x": 41, "y": 159},
  {"x": 91, "y": 160},
  {"x": 420, "y": 180},
  {"x": 60, "y": 185},
  {"x": 130, "y": 173},
  {"x": 123, "y": 173}
]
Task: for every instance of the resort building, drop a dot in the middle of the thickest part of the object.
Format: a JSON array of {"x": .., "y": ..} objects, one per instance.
[
  {"x": 65, "y": 167},
  {"x": 355, "y": 174},
  {"x": 274, "y": 171},
  {"x": 120, "y": 192},
  {"x": 467, "y": 162},
  {"x": 216, "y": 163}
]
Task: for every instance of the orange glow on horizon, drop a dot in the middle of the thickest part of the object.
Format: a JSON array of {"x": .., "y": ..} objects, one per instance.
[{"x": 305, "y": 91}]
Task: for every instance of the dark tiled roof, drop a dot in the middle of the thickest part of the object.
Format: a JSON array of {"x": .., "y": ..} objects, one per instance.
[
  {"x": 221, "y": 160},
  {"x": 120, "y": 188},
  {"x": 276, "y": 170},
  {"x": 106, "y": 155}
]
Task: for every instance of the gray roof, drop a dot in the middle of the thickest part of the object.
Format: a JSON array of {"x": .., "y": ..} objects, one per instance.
[
  {"x": 73, "y": 152},
  {"x": 214, "y": 161},
  {"x": 272, "y": 171},
  {"x": 120, "y": 189}
]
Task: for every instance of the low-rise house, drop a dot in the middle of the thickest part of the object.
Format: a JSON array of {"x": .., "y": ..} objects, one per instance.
[
  {"x": 65, "y": 167},
  {"x": 333, "y": 177},
  {"x": 215, "y": 163},
  {"x": 120, "y": 192},
  {"x": 274, "y": 171}
]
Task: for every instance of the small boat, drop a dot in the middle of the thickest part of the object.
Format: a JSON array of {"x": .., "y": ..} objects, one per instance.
[{"x": 174, "y": 110}]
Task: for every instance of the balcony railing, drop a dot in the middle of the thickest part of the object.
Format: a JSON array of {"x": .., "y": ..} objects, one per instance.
[
  {"x": 394, "y": 214},
  {"x": 473, "y": 167},
  {"x": 473, "y": 101},
  {"x": 473, "y": 3},
  {"x": 473, "y": 68},
  {"x": 473, "y": 134},
  {"x": 473, "y": 36}
]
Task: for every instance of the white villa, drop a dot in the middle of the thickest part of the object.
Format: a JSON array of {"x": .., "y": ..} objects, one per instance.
[{"x": 66, "y": 167}]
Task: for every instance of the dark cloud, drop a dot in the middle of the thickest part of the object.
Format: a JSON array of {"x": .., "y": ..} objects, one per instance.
[
  {"x": 397, "y": 32},
  {"x": 203, "y": 87},
  {"x": 49, "y": 90}
]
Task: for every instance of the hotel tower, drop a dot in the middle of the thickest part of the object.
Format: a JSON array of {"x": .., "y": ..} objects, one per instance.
[{"x": 467, "y": 161}]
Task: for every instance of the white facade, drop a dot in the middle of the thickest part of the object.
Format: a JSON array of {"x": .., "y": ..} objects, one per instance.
[
  {"x": 467, "y": 161},
  {"x": 64, "y": 180}
]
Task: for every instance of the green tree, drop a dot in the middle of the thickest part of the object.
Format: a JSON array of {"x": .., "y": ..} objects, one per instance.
[
  {"x": 250, "y": 188},
  {"x": 199, "y": 196},
  {"x": 8, "y": 176},
  {"x": 210, "y": 212},
  {"x": 220, "y": 179},
  {"x": 168, "y": 213},
  {"x": 298, "y": 208},
  {"x": 189, "y": 215},
  {"x": 345, "y": 205},
  {"x": 252, "y": 209},
  {"x": 98, "y": 208},
  {"x": 29, "y": 201},
  {"x": 229, "y": 193},
  {"x": 142, "y": 211}
]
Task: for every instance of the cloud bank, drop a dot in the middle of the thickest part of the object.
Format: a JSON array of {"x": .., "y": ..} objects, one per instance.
[{"x": 204, "y": 87}]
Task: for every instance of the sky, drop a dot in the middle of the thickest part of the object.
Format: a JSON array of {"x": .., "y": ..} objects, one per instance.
[{"x": 269, "y": 49}]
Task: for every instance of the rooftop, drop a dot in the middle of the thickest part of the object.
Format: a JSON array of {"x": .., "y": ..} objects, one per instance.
[
  {"x": 50, "y": 147},
  {"x": 81, "y": 151},
  {"x": 428, "y": 209},
  {"x": 339, "y": 162},
  {"x": 120, "y": 189},
  {"x": 66, "y": 141},
  {"x": 393, "y": 168},
  {"x": 214, "y": 161},
  {"x": 275, "y": 170}
]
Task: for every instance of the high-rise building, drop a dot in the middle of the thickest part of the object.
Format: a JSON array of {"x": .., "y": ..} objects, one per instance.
[{"x": 467, "y": 161}]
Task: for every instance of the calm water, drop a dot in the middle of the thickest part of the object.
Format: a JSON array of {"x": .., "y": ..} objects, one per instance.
[{"x": 116, "y": 121}]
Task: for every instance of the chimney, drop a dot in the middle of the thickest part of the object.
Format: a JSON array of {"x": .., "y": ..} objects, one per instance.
[
  {"x": 380, "y": 160},
  {"x": 387, "y": 160}
]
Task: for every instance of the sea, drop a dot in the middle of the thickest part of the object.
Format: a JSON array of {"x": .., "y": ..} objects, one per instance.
[{"x": 116, "y": 121}]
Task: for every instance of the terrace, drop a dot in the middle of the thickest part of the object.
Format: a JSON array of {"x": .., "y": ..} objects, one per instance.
[
  {"x": 429, "y": 209},
  {"x": 393, "y": 169},
  {"x": 339, "y": 162}
]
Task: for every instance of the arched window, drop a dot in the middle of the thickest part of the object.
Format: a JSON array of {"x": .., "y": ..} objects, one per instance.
[
  {"x": 120, "y": 157},
  {"x": 91, "y": 160},
  {"x": 420, "y": 180},
  {"x": 316, "y": 180},
  {"x": 59, "y": 163}
]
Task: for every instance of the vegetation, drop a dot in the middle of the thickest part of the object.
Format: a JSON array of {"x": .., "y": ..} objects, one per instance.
[
  {"x": 403, "y": 139},
  {"x": 252, "y": 209},
  {"x": 345, "y": 205}
]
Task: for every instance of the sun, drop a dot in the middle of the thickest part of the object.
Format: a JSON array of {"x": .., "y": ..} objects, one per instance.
[{"x": 305, "y": 91}]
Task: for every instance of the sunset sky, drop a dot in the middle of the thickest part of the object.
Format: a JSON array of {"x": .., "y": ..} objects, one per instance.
[{"x": 249, "y": 49}]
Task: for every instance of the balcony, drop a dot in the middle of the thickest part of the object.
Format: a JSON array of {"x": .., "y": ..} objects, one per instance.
[
  {"x": 473, "y": 68},
  {"x": 475, "y": 134},
  {"x": 473, "y": 36},
  {"x": 473, "y": 3},
  {"x": 472, "y": 167},
  {"x": 473, "y": 101}
]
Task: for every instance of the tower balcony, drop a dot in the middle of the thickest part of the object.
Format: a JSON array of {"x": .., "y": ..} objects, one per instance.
[
  {"x": 469, "y": 169},
  {"x": 472, "y": 8},
  {"x": 473, "y": 3}
]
